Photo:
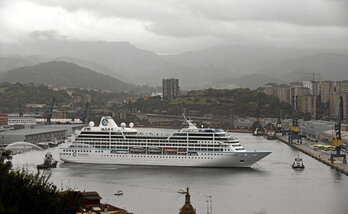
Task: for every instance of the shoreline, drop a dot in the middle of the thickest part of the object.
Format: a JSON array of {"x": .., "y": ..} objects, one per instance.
[{"x": 322, "y": 157}]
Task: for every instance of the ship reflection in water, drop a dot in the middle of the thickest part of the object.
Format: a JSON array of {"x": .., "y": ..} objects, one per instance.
[{"x": 269, "y": 186}]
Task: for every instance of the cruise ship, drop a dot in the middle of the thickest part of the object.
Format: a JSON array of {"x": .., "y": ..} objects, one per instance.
[{"x": 109, "y": 143}]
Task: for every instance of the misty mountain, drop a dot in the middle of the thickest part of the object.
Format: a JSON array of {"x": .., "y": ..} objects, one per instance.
[
  {"x": 218, "y": 66},
  {"x": 242, "y": 59},
  {"x": 253, "y": 81},
  {"x": 64, "y": 74},
  {"x": 10, "y": 63},
  {"x": 140, "y": 66},
  {"x": 326, "y": 66},
  {"x": 95, "y": 67},
  {"x": 36, "y": 59},
  {"x": 121, "y": 60}
]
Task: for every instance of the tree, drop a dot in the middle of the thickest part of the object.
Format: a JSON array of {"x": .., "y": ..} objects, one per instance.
[
  {"x": 5, "y": 159},
  {"x": 24, "y": 192}
]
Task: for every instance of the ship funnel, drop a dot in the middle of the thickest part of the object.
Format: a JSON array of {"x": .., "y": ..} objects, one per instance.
[{"x": 107, "y": 122}]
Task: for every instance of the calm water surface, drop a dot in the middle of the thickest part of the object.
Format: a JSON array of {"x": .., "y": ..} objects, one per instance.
[{"x": 270, "y": 186}]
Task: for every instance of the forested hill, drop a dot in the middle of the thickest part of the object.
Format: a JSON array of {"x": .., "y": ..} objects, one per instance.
[
  {"x": 14, "y": 95},
  {"x": 64, "y": 74},
  {"x": 218, "y": 103}
]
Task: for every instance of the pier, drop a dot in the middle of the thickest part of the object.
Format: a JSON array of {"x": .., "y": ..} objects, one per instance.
[{"x": 318, "y": 155}]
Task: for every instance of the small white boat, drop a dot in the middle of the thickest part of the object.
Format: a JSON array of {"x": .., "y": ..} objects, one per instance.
[
  {"x": 298, "y": 164},
  {"x": 182, "y": 191},
  {"x": 119, "y": 192}
]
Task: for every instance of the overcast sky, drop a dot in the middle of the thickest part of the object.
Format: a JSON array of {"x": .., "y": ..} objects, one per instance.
[{"x": 173, "y": 26}]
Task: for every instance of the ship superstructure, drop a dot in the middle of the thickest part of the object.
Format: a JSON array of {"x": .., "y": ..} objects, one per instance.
[{"x": 191, "y": 146}]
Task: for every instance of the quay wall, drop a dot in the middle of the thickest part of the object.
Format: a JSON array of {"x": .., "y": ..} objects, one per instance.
[{"x": 320, "y": 157}]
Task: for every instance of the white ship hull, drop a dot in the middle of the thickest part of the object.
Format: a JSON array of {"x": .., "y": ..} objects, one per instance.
[
  {"x": 228, "y": 159},
  {"x": 189, "y": 147}
]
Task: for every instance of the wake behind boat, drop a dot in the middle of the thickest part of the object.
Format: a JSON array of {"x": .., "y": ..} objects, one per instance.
[{"x": 191, "y": 146}]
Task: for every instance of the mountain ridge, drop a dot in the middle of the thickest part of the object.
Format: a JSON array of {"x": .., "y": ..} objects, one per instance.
[
  {"x": 209, "y": 67},
  {"x": 64, "y": 74}
]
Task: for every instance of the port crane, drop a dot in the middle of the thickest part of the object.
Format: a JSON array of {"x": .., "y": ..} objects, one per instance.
[
  {"x": 279, "y": 123},
  {"x": 50, "y": 110},
  {"x": 294, "y": 135},
  {"x": 20, "y": 108},
  {"x": 257, "y": 127},
  {"x": 84, "y": 116},
  {"x": 337, "y": 141}
]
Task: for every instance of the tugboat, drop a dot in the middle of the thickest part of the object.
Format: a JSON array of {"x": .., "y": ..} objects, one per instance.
[
  {"x": 298, "y": 164},
  {"x": 49, "y": 162}
]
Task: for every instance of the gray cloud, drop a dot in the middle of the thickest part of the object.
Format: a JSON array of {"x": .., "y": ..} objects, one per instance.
[
  {"x": 309, "y": 12},
  {"x": 180, "y": 25}
]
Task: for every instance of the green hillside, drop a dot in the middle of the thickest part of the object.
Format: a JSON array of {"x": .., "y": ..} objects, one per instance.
[{"x": 219, "y": 103}]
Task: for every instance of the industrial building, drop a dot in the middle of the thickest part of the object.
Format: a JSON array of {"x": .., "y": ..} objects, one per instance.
[
  {"x": 18, "y": 120},
  {"x": 37, "y": 134},
  {"x": 321, "y": 130},
  {"x": 31, "y": 135},
  {"x": 3, "y": 119},
  {"x": 246, "y": 123}
]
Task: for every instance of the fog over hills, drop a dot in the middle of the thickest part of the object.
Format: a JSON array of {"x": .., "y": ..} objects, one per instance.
[
  {"x": 240, "y": 58},
  {"x": 326, "y": 66},
  {"x": 16, "y": 61},
  {"x": 9, "y": 63},
  {"x": 140, "y": 66},
  {"x": 64, "y": 74},
  {"x": 221, "y": 66}
]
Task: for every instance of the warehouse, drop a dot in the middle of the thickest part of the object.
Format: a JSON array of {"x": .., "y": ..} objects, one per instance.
[{"x": 35, "y": 135}]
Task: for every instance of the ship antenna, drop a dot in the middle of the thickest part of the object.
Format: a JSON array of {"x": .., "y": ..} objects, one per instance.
[
  {"x": 189, "y": 122},
  {"x": 184, "y": 117}
]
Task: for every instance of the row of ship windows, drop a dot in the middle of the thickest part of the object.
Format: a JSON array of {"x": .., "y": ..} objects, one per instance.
[
  {"x": 103, "y": 134},
  {"x": 154, "y": 156},
  {"x": 149, "y": 141},
  {"x": 100, "y": 151},
  {"x": 195, "y": 149},
  {"x": 151, "y": 144},
  {"x": 106, "y": 133},
  {"x": 164, "y": 139},
  {"x": 67, "y": 150}
]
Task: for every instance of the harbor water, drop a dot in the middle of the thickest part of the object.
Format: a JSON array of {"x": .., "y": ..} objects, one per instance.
[{"x": 269, "y": 186}]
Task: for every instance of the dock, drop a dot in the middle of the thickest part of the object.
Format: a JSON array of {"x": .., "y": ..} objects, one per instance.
[
  {"x": 318, "y": 155},
  {"x": 240, "y": 130}
]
